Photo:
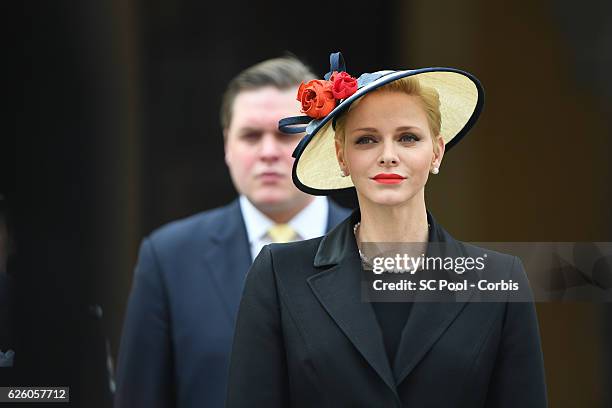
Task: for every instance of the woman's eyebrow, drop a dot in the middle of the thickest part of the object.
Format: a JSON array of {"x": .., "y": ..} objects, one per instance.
[
  {"x": 399, "y": 129},
  {"x": 408, "y": 128},
  {"x": 366, "y": 129}
]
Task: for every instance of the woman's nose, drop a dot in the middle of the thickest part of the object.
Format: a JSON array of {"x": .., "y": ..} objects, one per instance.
[{"x": 388, "y": 155}]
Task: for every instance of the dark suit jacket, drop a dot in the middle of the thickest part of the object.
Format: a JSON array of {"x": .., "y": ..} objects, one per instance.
[
  {"x": 304, "y": 338},
  {"x": 179, "y": 324}
]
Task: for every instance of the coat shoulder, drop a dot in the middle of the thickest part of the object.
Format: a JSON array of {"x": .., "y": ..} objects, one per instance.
[
  {"x": 497, "y": 264},
  {"x": 299, "y": 252},
  {"x": 184, "y": 229},
  {"x": 188, "y": 232},
  {"x": 291, "y": 262}
]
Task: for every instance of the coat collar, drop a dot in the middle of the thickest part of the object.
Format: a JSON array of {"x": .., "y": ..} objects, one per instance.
[
  {"x": 228, "y": 225},
  {"x": 339, "y": 243},
  {"x": 226, "y": 255},
  {"x": 338, "y": 288}
]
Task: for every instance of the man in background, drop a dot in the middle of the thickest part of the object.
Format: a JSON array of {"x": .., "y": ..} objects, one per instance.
[{"x": 179, "y": 324}]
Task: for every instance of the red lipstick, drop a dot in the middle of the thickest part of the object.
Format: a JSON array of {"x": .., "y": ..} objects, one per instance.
[{"x": 388, "y": 178}]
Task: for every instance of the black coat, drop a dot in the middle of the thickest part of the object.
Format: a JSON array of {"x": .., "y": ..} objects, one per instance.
[{"x": 304, "y": 338}]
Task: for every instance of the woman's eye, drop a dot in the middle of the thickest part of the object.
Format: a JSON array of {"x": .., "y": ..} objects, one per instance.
[
  {"x": 408, "y": 138},
  {"x": 365, "y": 140}
]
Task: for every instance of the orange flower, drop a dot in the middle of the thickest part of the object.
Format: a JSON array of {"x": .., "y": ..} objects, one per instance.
[
  {"x": 317, "y": 98},
  {"x": 344, "y": 85}
]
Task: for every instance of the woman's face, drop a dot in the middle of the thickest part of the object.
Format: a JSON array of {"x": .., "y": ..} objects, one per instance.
[{"x": 388, "y": 148}]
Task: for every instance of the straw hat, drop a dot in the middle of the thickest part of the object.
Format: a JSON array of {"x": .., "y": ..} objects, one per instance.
[{"x": 316, "y": 170}]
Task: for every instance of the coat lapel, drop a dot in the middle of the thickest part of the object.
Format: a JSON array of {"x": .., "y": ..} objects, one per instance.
[
  {"x": 227, "y": 257},
  {"x": 428, "y": 320},
  {"x": 338, "y": 289},
  {"x": 227, "y": 254}
]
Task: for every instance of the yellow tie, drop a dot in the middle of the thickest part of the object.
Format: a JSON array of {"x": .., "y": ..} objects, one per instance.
[{"x": 281, "y": 233}]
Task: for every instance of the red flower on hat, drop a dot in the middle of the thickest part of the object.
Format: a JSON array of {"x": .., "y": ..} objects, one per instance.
[
  {"x": 317, "y": 98},
  {"x": 344, "y": 85}
]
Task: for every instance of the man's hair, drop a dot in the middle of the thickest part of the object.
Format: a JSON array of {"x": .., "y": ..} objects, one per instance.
[{"x": 281, "y": 73}]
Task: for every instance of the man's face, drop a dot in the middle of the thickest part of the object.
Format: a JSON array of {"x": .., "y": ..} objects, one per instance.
[{"x": 258, "y": 155}]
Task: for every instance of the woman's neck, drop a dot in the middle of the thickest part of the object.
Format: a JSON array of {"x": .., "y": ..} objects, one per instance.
[{"x": 403, "y": 223}]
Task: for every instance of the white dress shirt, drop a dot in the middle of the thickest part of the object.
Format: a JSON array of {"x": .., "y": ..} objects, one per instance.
[{"x": 309, "y": 223}]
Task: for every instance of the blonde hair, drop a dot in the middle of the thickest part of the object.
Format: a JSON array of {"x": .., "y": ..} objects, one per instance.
[{"x": 429, "y": 98}]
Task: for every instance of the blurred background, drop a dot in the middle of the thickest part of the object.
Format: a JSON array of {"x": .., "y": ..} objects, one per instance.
[{"x": 117, "y": 133}]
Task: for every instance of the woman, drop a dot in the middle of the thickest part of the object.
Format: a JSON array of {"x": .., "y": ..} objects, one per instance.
[{"x": 305, "y": 338}]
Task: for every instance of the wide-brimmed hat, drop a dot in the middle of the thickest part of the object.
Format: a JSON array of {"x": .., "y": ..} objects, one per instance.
[{"x": 316, "y": 170}]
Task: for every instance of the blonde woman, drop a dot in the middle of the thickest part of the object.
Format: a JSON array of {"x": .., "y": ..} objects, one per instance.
[{"x": 304, "y": 335}]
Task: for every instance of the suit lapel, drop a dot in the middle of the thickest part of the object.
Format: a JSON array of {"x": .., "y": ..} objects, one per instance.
[
  {"x": 428, "y": 320},
  {"x": 338, "y": 289},
  {"x": 228, "y": 256}
]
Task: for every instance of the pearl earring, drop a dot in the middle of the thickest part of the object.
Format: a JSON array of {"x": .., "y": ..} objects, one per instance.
[
  {"x": 343, "y": 173},
  {"x": 435, "y": 170}
]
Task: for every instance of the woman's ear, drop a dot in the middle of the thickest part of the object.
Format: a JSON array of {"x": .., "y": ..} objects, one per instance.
[
  {"x": 439, "y": 152},
  {"x": 340, "y": 157}
]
